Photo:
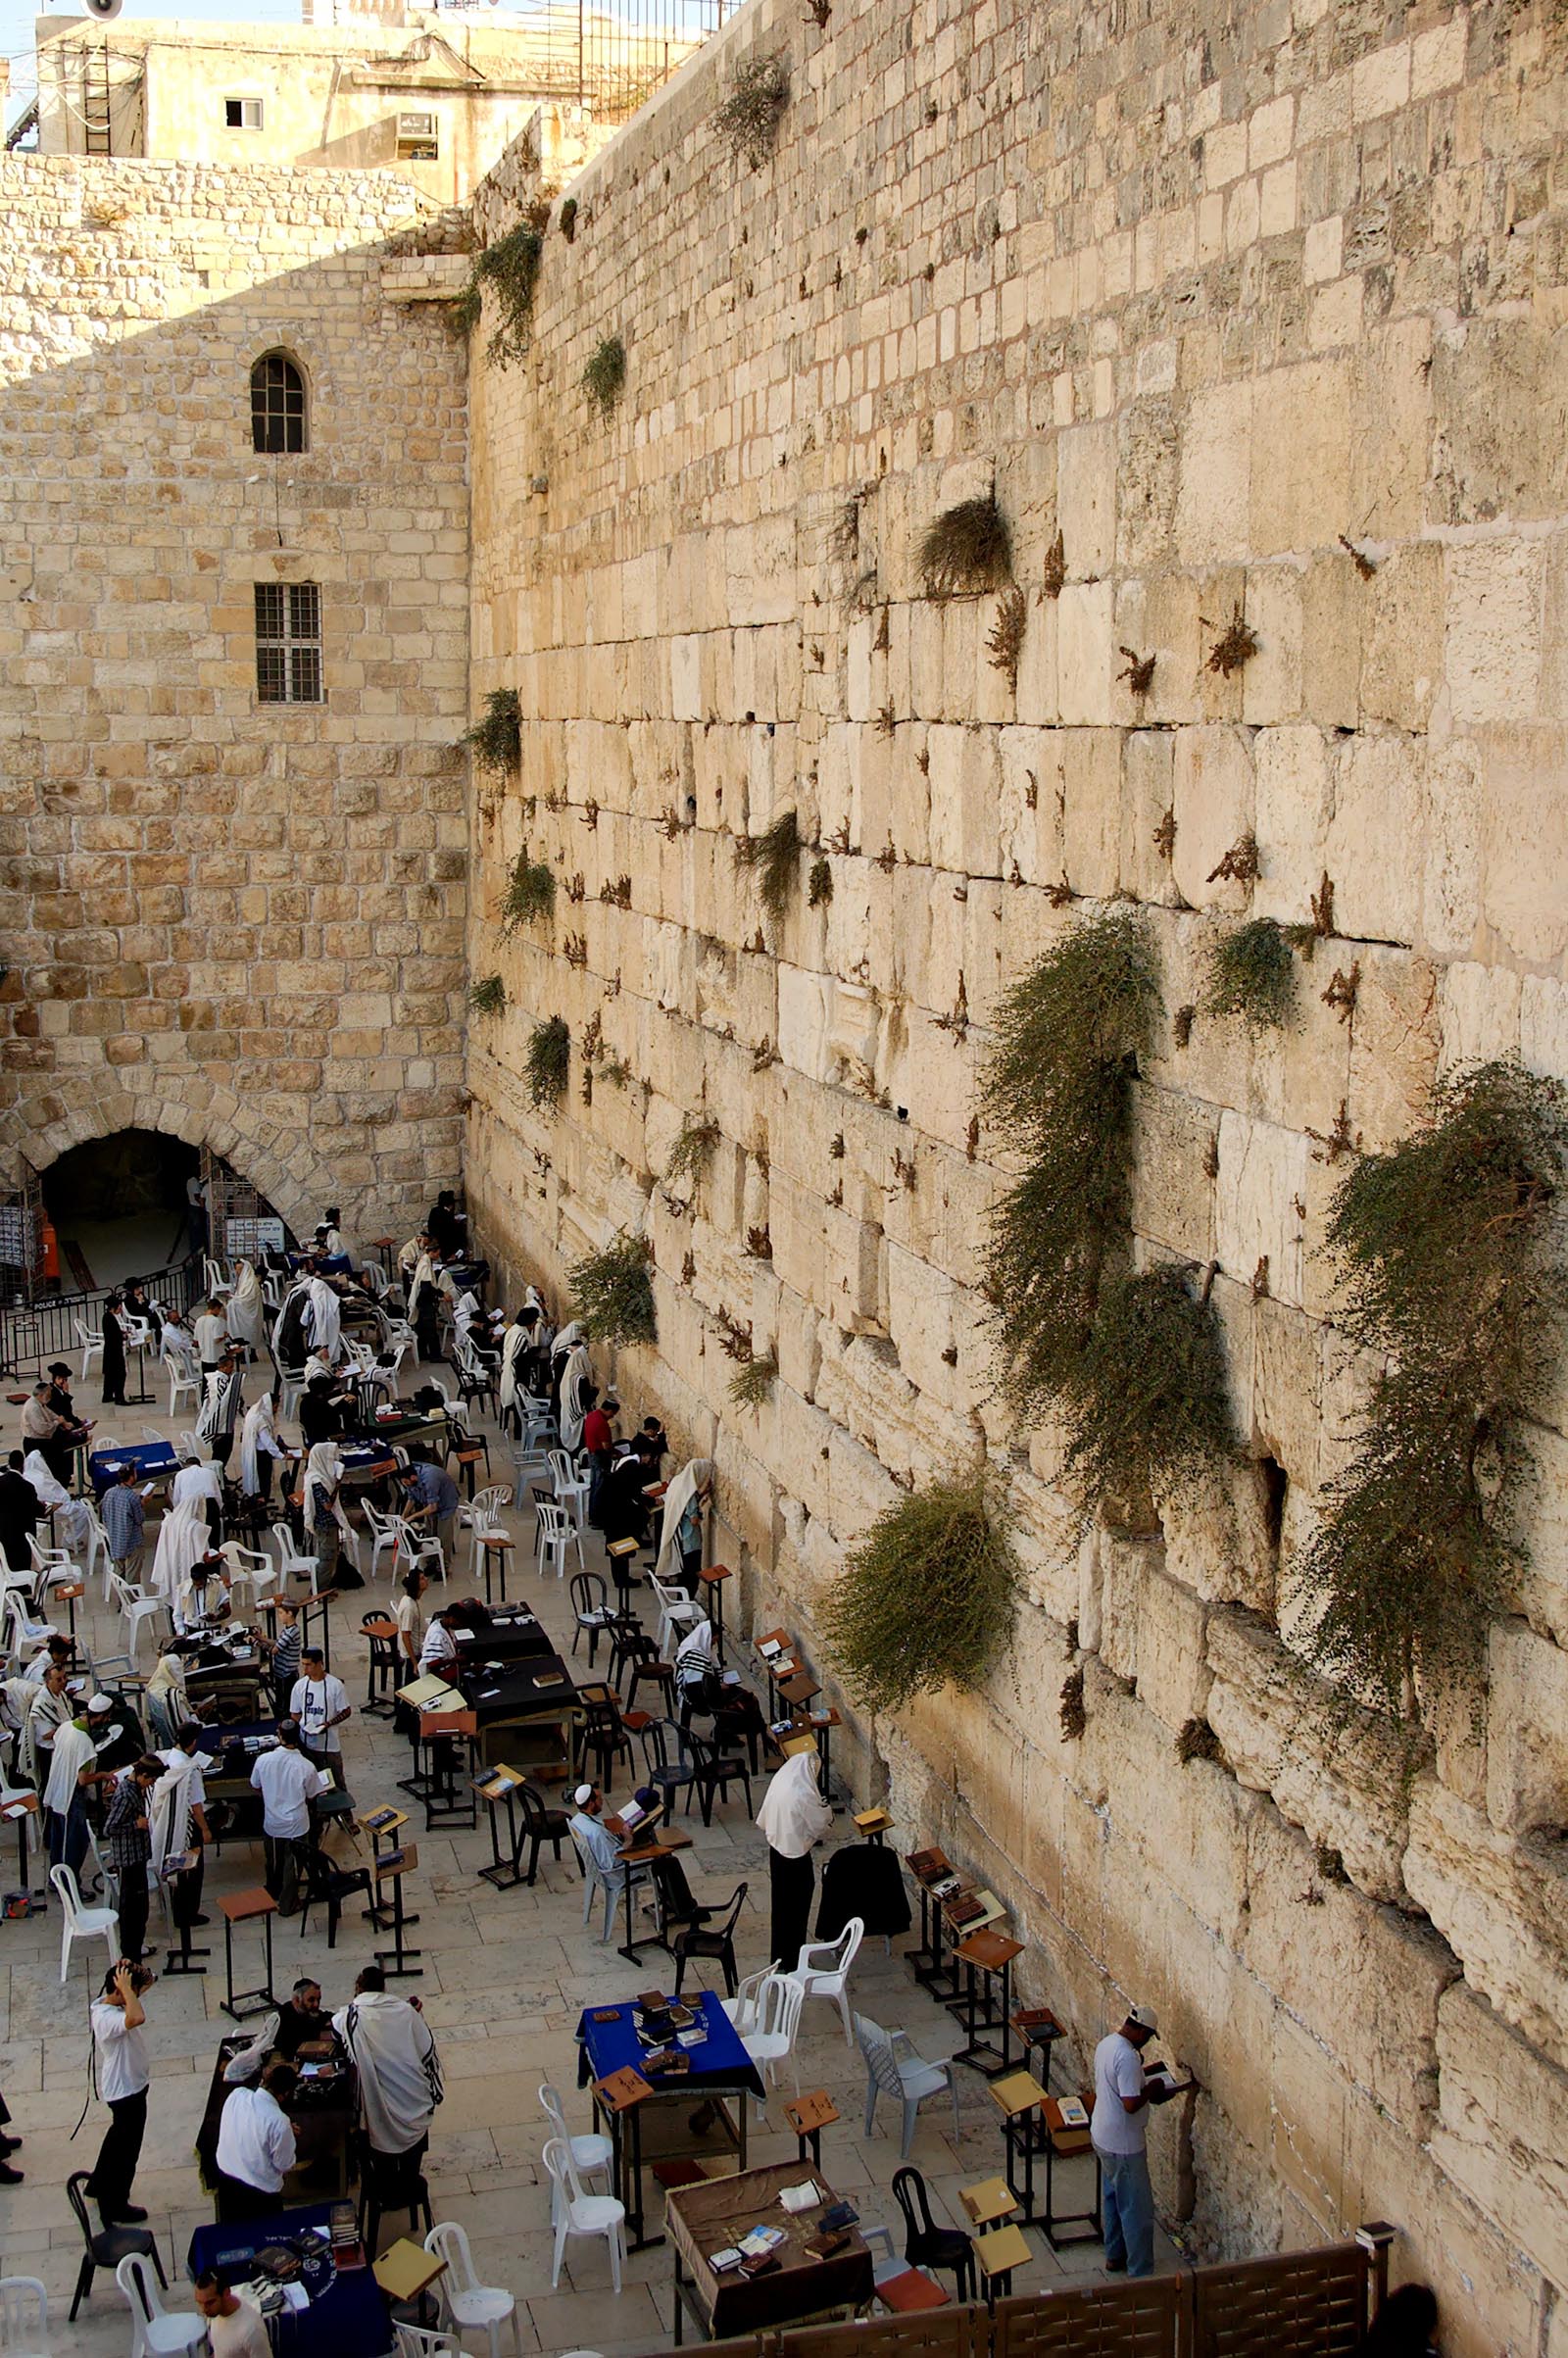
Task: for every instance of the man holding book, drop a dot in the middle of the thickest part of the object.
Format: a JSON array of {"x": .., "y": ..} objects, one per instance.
[{"x": 1119, "y": 2129}]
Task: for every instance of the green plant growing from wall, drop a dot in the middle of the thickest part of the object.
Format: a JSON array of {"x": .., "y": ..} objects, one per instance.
[
  {"x": 569, "y": 219},
  {"x": 819, "y": 884},
  {"x": 926, "y": 1598},
  {"x": 966, "y": 549},
  {"x": 748, "y": 116},
  {"x": 775, "y": 854},
  {"x": 530, "y": 893},
  {"x": 488, "y": 997},
  {"x": 612, "y": 1291},
  {"x": 1444, "y": 1245},
  {"x": 694, "y": 1149},
  {"x": 605, "y": 376},
  {"x": 1250, "y": 972},
  {"x": 751, "y": 1384},
  {"x": 507, "y": 269},
  {"x": 496, "y": 737},
  {"x": 1149, "y": 1408},
  {"x": 546, "y": 1062},
  {"x": 1059, "y": 1086}
]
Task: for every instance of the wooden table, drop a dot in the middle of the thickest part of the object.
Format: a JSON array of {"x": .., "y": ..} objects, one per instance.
[
  {"x": 610, "y": 2057},
  {"x": 989, "y": 1955},
  {"x": 713, "y": 1578},
  {"x": 243, "y": 1907},
  {"x": 808, "y": 2116},
  {"x": 1064, "y": 2141},
  {"x": 391, "y": 1866},
  {"x": 704, "y": 2218},
  {"x": 998, "y": 2254}
]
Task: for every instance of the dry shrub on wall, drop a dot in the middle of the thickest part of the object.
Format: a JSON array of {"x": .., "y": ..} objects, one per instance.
[
  {"x": 1149, "y": 1410},
  {"x": 694, "y": 1149},
  {"x": 926, "y": 1598},
  {"x": 612, "y": 1291},
  {"x": 748, "y": 118},
  {"x": 605, "y": 376},
  {"x": 966, "y": 549},
  {"x": 507, "y": 269},
  {"x": 1448, "y": 1248},
  {"x": 751, "y": 1384},
  {"x": 488, "y": 995},
  {"x": 775, "y": 854}
]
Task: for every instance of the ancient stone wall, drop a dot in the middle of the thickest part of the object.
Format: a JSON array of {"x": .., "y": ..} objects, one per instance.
[
  {"x": 237, "y": 921},
  {"x": 1257, "y": 308}
]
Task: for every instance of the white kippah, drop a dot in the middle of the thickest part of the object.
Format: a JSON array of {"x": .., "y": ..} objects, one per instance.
[
  {"x": 100, "y": 1702},
  {"x": 584, "y": 1794}
]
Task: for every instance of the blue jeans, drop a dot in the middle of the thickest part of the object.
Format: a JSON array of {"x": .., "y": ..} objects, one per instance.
[{"x": 1127, "y": 2201}]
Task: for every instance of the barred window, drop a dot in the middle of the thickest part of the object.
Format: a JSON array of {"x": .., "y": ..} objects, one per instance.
[
  {"x": 277, "y": 404},
  {"x": 288, "y": 642}
]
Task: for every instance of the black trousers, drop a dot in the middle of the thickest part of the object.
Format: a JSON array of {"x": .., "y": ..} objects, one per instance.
[
  {"x": 133, "y": 1898},
  {"x": 239, "y": 2200},
  {"x": 115, "y": 2171},
  {"x": 186, "y": 1891},
  {"x": 792, "y": 1881},
  {"x": 283, "y": 1870}
]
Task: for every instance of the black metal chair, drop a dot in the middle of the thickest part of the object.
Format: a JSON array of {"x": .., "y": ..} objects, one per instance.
[
  {"x": 603, "y": 1735},
  {"x": 927, "y": 2245},
  {"x": 715, "y": 1772},
  {"x": 648, "y": 1670},
  {"x": 325, "y": 1884},
  {"x": 714, "y": 1939},
  {"x": 539, "y": 1824},
  {"x": 107, "y": 2247},
  {"x": 626, "y": 1636},
  {"x": 668, "y": 1777},
  {"x": 390, "y": 2181},
  {"x": 590, "y": 1603}
]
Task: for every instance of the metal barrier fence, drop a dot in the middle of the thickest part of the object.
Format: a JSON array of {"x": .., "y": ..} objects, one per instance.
[
  {"x": 1298, "y": 2304},
  {"x": 33, "y": 1333}
]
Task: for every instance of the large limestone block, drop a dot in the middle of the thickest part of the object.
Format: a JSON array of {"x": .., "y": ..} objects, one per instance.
[
  {"x": 1373, "y": 849},
  {"x": 1333, "y": 627},
  {"x": 1503, "y": 2125},
  {"x": 1031, "y": 814},
  {"x": 1187, "y": 1825},
  {"x": 1259, "y": 1203},
  {"x": 964, "y": 797},
  {"x": 1214, "y": 802},
  {"x": 1213, "y": 501},
  {"x": 1491, "y": 652},
  {"x": 1086, "y": 651},
  {"x": 1303, "y": 411},
  {"x": 1395, "y": 1039},
  {"x": 1362, "y": 1978},
  {"x": 1401, "y": 663},
  {"x": 1499, "y": 1902},
  {"x": 1084, "y": 778},
  {"x": 1526, "y": 1732},
  {"x": 805, "y": 1021},
  {"x": 1147, "y": 772},
  {"x": 1173, "y": 1673},
  {"x": 1276, "y": 1723},
  {"x": 1172, "y": 1193},
  {"x": 1478, "y": 1012},
  {"x": 1148, "y": 469},
  {"x": 1086, "y": 497},
  {"x": 1524, "y": 848}
]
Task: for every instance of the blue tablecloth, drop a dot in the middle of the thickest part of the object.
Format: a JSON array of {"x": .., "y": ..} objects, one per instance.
[
  {"x": 349, "y": 2319},
  {"x": 151, "y": 1458},
  {"x": 721, "y": 2062}
]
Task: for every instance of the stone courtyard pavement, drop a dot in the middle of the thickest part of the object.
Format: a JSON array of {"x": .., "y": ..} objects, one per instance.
[{"x": 506, "y": 1976}]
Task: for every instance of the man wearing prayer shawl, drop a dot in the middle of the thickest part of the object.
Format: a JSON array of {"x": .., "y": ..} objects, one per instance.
[
  {"x": 178, "y": 1819},
  {"x": 793, "y": 1816},
  {"x": 184, "y": 1538},
  {"x": 247, "y": 1308},
  {"x": 258, "y": 1445},
  {"x": 393, "y": 2051},
  {"x": 72, "y": 1516},
  {"x": 680, "y": 1535},
  {"x": 324, "y": 1319}
]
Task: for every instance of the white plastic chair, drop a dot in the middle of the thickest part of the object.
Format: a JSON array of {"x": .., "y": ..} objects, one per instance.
[
  {"x": 423, "y": 1549},
  {"x": 579, "y": 2214},
  {"x": 778, "y": 2018},
  {"x": 23, "y": 2317},
  {"x": 470, "y": 2305},
  {"x": 81, "y": 1923},
  {"x": 484, "y": 1522},
  {"x": 212, "y": 1278},
  {"x": 830, "y": 1977},
  {"x": 248, "y": 1567},
  {"x": 291, "y": 1565},
  {"x": 745, "y": 2007},
  {"x": 557, "y": 1532},
  {"x": 592, "y": 2155},
  {"x": 21, "y": 1634},
  {"x": 572, "y": 1487},
  {"x": 184, "y": 1382},
  {"x": 384, "y": 1538},
  {"x": 424, "y": 2341},
  {"x": 908, "y": 2077},
  {"x": 677, "y": 1612},
  {"x": 136, "y": 1608},
  {"x": 155, "y": 2331},
  {"x": 291, "y": 1383},
  {"x": 92, "y": 1347},
  {"x": 612, "y": 1881},
  {"x": 97, "y": 1546}
]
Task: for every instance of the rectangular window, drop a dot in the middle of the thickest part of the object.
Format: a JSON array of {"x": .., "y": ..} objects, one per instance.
[
  {"x": 418, "y": 138},
  {"x": 288, "y": 642},
  {"x": 243, "y": 114}
]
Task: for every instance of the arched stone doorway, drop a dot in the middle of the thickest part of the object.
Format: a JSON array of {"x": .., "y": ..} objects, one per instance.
[{"x": 119, "y": 1207}]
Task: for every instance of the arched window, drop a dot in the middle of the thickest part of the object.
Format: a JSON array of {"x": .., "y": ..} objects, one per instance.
[{"x": 277, "y": 404}]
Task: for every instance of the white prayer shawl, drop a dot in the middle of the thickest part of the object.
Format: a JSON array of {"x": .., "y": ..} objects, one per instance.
[
  {"x": 326, "y": 1318},
  {"x": 169, "y": 1819},
  {"x": 794, "y": 1814},
  {"x": 72, "y": 1751},
  {"x": 682, "y": 1490},
  {"x": 393, "y": 2050},
  {"x": 258, "y": 1439},
  {"x": 168, "y": 1685},
  {"x": 247, "y": 1308},
  {"x": 197, "y": 1482},
  {"x": 74, "y": 1514},
  {"x": 184, "y": 1538},
  {"x": 694, "y": 1656},
  {"x": 465, "y": 1311},
  {"x": 179, "y": 1346},
  {"x": 191, "y": 1609},
  {"x": 514, "y": 1343},
  {"x": 579, "y": 1373},
  {"x": 49, "y": 1714},
  {"x": 223, "y": 1400},
  {"x": 324, "y": 1469}
]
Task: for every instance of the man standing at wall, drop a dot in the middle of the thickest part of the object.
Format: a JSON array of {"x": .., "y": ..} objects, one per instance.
[{"x": 1120, "y": 2128}]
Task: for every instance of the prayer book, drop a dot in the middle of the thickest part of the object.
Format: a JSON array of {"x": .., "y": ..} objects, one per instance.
[{"x": 1073, "y": 2111}]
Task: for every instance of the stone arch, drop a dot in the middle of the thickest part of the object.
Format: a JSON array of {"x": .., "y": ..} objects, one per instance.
[{"x": 67, "y": 1111}]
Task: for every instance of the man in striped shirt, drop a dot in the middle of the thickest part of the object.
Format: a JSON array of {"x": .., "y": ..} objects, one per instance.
[{"x": 127, "y": 1844}]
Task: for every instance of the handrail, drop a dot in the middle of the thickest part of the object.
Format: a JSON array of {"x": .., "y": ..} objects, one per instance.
[{"x": 31, "y": 1332}]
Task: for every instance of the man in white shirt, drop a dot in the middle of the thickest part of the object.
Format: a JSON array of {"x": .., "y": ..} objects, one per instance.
[
  {"x": 438, "y": 1654},
  {"x": 1120, "y": 2128},
  {"x": 256, "y": 2145},
  {"x": 288, "y": 1783},
  {"x": 590, "y": 1832},
  {"x": 321, "y": 1703},
  {"x": 212, "y": 1337},
  {"x": 234, "y": 2330},
  {"x": 408, "y": 1618},
  {"x": 119, "y": 2062}
]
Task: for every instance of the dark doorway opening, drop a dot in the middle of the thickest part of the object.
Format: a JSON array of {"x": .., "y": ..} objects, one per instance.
[{"x": 118, "y": 1206}]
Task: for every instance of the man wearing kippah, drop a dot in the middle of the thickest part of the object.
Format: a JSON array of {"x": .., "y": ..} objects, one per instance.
[{"x": 1120, "y": 2128}]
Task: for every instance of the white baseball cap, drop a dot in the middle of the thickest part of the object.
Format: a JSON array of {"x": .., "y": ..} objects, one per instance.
[
  {"x": 584, "y": 1794},
  {"x": 1142, "y": 2018}
]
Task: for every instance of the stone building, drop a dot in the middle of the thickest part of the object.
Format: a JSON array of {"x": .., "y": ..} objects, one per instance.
[{"x": 1250, "y": 312}]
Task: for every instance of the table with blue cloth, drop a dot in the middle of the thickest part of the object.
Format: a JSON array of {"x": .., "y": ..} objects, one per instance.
[
  {"x": 347, "y": 2316},
  {"x": 607, "y": 2041},
  {"x": 154, "y": 1461}
]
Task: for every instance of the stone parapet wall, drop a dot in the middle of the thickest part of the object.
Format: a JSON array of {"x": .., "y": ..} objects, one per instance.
[
  {"x": 1256, "y": 308},
  {"x": 237, "y": 921}
]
